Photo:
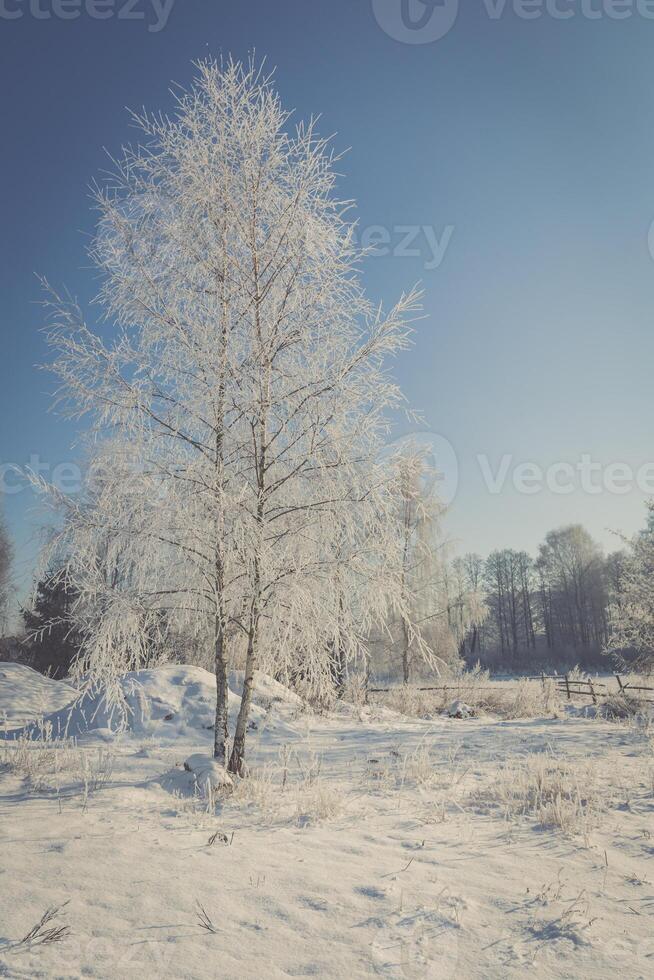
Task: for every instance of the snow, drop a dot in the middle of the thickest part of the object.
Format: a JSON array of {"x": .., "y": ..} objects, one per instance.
[
  {"x": 412, "y": 874},
  {"x": 206, "y": 771},
  {"x": 165, "y": 703},
  {"x": 459, "y": 709},
  {"x": 265, "y": 689},
  {"x": 26, "y": 694}
]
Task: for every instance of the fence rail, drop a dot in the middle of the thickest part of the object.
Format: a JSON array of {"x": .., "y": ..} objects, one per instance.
[{"x": 573, "y": 687}]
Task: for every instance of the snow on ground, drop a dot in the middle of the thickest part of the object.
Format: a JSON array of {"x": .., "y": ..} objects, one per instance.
[
  {"x": 365, "y": 844},
  {"x": 26, "y": 694}
]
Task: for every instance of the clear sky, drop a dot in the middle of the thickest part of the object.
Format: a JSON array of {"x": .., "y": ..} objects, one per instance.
[{"x": 524, "y": 147}]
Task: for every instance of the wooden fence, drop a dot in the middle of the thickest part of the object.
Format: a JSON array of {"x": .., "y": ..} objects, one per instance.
[
  {"x": 587, "y": 687},
  {"x": 572, "y": 687}
]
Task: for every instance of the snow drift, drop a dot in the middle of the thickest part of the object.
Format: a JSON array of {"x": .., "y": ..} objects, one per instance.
[
  {"x": 265, "y": 690},
  {"x": 167, "y": 702},
  {"x": 25, "y": 694}
]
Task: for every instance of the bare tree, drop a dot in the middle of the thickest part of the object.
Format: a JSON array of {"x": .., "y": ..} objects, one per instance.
[
  {"x": 573, "y": 589},
  {"x": 470, "y": 603},
  {"x": 510, "y": 585}
]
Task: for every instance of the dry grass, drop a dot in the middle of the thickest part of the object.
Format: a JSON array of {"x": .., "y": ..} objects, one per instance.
[
  {"x": 633, "y": 702},
  {"x": 570, "y": 796},
  {"x": 521, "y": 698},
  {"x": 290, "y": 790},
  {"x": 503, "y": 699},
  {"x": 431, "y": 782},
  {"x": 57, "y": 765},
  {"x": 573, "y": 921},
  {"x": 44, "y": 933},
  {"x": 204, "y": 920}
]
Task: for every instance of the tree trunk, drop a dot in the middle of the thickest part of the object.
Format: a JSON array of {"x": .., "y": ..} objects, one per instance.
[
  {"x": 405, "y": 651},
  {"x": 236, "y": 760},
  {"x": 220, "y": 728},
  {"x": 222, "y": 690},
  {"x": 337, "y": 669}
]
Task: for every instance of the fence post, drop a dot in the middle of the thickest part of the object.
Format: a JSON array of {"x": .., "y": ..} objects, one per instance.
[
  {"x": 592, "y": 690},
  {"x": 542, "y": 678},
  {"x": 567, "y": 686}
]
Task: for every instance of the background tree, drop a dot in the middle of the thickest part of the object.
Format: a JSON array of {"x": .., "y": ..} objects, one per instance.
[
  {"x": 52, "y": 643},
  {"x": 508, "y": 578},
  {"x": 632, "y": 602},
  {"x": 443, "y": 599},
  {"x": 547, "y": 614},
  {"x": 418, "y": 511},
  {"x": 6, "y": 555},
  {"x": 573, "y": 589},
  {"x": 469, "y": 604}
]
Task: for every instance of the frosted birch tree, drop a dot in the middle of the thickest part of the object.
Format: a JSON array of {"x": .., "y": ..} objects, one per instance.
[
  {"x": 631, "y": 611},
  {"x": 439, "y": 607},
  {"x": 5, "y": 574},
  {"x": 238, "y": 399},
  {"x": 417, "y": 514}
]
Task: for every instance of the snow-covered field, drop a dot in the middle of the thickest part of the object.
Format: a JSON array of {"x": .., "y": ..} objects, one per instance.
[{"x": 364, "y": 843}]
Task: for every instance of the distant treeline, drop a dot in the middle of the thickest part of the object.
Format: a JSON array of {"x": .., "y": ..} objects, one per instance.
[{"x": 547, "y": 612}]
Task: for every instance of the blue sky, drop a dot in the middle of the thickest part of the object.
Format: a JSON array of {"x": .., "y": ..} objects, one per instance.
[{"x": 524, "y": 146}]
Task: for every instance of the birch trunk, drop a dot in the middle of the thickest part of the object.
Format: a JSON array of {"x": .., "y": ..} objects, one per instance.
[{"x": 220, "y": 730}]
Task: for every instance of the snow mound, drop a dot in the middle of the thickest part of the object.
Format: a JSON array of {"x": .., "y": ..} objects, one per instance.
[
  {"x": 167, "y": 702},
  {"x": 459, "y": 709},
  {"x": 207, "y": 772},
  {"x": 266, "y": 690},
  {"x": 26, "y": 695}
]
